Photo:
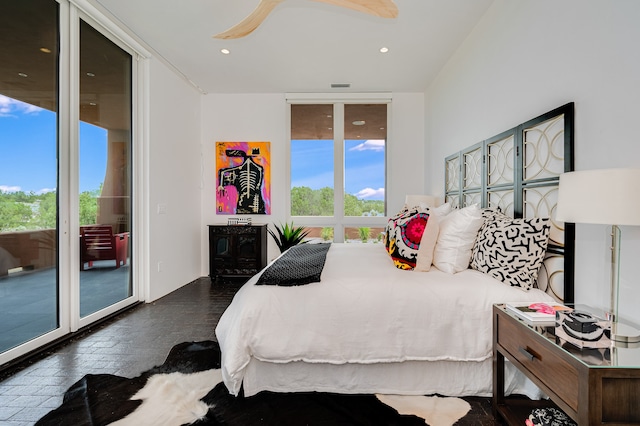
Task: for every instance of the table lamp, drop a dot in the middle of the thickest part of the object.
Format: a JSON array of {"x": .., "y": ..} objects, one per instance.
[{"x": 610, "y": 197}]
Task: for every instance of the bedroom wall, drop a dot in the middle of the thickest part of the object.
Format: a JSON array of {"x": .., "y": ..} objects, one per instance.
[
  {"x": 527, "y": 57},
  {"x": 173, "y": 182},
  {"x": 263, "y": 117}
]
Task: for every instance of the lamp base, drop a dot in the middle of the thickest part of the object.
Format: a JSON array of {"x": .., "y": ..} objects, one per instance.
[{"x": 624, "y": 333}]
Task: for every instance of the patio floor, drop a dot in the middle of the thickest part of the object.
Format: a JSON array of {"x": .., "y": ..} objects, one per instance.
[{"x": 28, "y": 300}]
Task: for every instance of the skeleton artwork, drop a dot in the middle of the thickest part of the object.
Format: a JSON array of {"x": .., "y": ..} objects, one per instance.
[{"x": 247, "y": 179}]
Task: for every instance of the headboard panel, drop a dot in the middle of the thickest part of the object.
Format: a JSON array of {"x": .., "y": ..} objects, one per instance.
[{"x": 518, "y": 170}]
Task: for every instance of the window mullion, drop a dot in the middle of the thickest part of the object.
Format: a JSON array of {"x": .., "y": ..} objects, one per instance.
[{"x": 338, "y": 167}]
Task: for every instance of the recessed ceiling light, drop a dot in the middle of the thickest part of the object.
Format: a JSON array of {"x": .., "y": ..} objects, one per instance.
[
  {"x": 21, "y": 74},
  {"x": 225, "y": 51},
  {"x": 92, "y": 103},
  {"x": 359, "y": 123},
  {"x": 384, "y": 49},
  {"x": 90, "y": 74},
  {"x": 45, "y": 50}
]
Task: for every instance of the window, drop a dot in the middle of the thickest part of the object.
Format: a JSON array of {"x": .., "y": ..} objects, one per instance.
[
  {"x": 312, "y": 160},
  {"x": 337, "y": 169}
]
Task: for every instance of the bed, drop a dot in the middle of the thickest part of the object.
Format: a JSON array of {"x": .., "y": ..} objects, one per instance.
[{"x": 374, "y": 325}]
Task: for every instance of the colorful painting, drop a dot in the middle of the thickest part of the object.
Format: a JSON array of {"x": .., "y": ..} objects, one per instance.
[{"x": 243, "y": 178}]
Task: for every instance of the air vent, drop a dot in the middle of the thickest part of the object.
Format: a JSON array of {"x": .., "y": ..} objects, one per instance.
[{"x": 340, "y": 85}]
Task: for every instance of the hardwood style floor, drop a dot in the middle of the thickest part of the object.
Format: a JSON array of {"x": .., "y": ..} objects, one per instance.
[{"x": 127, "y": 345}]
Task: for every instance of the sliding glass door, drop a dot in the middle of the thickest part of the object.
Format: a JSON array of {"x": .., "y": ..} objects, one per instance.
[
  {"x": 66, "y": 172},
  {"x": 105, "y": 171},
  {"x": 28, "y": 171}
]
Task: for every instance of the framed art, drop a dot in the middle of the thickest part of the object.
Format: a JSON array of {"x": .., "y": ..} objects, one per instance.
[{"x": 243, "y": 178}]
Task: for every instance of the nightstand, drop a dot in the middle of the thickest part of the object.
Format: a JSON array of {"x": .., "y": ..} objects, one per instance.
[
  {"x": 592, "y": 386},
  {"x": 236, "y": 251}
]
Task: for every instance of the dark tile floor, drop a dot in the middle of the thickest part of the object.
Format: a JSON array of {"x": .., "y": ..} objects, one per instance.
[{"x": 128, "y": 344}]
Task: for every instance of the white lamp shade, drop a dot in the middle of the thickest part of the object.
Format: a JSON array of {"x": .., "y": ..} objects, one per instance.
[
  {"x": 417, "y": 200},
  {"x": 607, "y": 196}
]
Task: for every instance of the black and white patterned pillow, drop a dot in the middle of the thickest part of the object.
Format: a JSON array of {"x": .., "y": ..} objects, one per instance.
[
  {"x": 511, "y": 250},
  {"x": 493, "y": 213},
  {"x": 548, "y": 417}
]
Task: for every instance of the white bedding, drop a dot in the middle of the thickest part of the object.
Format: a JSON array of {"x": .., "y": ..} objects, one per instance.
[{"x": 364, "y": 311}]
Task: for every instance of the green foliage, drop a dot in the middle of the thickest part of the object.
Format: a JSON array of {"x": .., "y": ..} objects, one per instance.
[
  {"x": 47, "y": 212},
  {"x": 308, "y": 202},
  {"x": 288, "y": 235},
  {"x": 88, "y": 208},
  {"x": 20, "y": 211},
  {"x": 14, "y": 215},
  {"x": 352, "y": 206},
  {"x": 364, "y": 233},
  {"x": 326, "y": 233}
]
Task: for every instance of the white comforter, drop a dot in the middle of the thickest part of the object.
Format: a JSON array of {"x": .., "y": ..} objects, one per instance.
[{"x": 364, "y": 310}]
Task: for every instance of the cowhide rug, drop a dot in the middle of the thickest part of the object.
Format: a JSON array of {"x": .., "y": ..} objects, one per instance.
[{"x": 188, "y": 389}]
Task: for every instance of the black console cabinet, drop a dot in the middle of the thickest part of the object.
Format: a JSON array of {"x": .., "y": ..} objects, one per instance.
[{"x": 236, "y": 251}]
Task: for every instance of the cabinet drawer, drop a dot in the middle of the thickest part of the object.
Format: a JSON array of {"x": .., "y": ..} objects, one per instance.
[{"x": 538, "y": 357}]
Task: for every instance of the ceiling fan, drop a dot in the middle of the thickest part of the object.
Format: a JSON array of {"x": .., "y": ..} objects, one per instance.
[{"x": 381, "y": 8}]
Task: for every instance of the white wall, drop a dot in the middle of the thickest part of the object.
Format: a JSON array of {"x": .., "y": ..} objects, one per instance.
[
  {"x": 526, "y": 57},
  {"x": 173, "y": 182},
  {"x": 263, "y": 117}
]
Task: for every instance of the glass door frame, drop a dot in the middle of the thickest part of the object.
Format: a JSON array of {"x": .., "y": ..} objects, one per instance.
[
  {"x": 138, "y": 144},
  {"x": 68, "y": 230}
]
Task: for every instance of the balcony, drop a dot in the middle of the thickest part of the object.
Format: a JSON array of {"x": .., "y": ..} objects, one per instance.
[{"x": 29, "y": 289}]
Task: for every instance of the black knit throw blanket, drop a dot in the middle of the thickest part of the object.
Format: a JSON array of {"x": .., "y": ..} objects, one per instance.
[{"x": 301, "y": 264}]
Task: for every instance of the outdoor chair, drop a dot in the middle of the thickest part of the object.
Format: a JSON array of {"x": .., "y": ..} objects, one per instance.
[{"x": 98, "y": 242}]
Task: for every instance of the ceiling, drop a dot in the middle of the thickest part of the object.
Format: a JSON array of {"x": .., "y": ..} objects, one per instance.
[{"x": 303, "y": 45}]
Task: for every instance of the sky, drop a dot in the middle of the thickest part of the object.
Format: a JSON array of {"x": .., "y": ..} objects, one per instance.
[
  {"x": 28, "y": 156},
  {"x": 28, "y": 150},
  {"x": 312, "y": 166}
]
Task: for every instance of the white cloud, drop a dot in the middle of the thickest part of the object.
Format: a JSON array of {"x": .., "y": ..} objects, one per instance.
[
  {"x": 45, "y": 190},
  {"x": 10, "y": 107},
  {"x": 370, "y": 193},
  {"x": 370, "y": 145},
  {"x": 5, "y": 188}
]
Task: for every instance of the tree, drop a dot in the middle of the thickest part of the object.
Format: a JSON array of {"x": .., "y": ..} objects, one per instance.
[
  {"x": 30, "y": 211},
  {"x": 47, "y": 214},
  {"x": 352, "y": 206},
  {"x": 319, "y": 202},
  {"x": 323, "y": 201},
  {"x": 88, "y": 204},
  {"x": 308, "y": 202},
  {"x": 14, "y": 215}
]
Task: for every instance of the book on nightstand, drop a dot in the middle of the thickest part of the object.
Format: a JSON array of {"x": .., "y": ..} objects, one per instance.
[{"x": 537, "y": 312}]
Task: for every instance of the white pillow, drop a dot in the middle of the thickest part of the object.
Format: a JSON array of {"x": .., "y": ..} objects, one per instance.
[
  {"x": 428, "y": 244},
  {"x": 442, "y": 210},
  {"x": 430, "y": 237},
  {"x": 458, "y": 231}
]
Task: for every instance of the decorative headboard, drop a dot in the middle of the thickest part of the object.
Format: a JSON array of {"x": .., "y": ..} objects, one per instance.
[{"x": 518, "y": 171}]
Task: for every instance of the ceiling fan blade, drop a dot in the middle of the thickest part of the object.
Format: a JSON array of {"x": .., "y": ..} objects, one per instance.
[
  {"x": 251, "y": 22},
  {"x": 381, "y": 8}
]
